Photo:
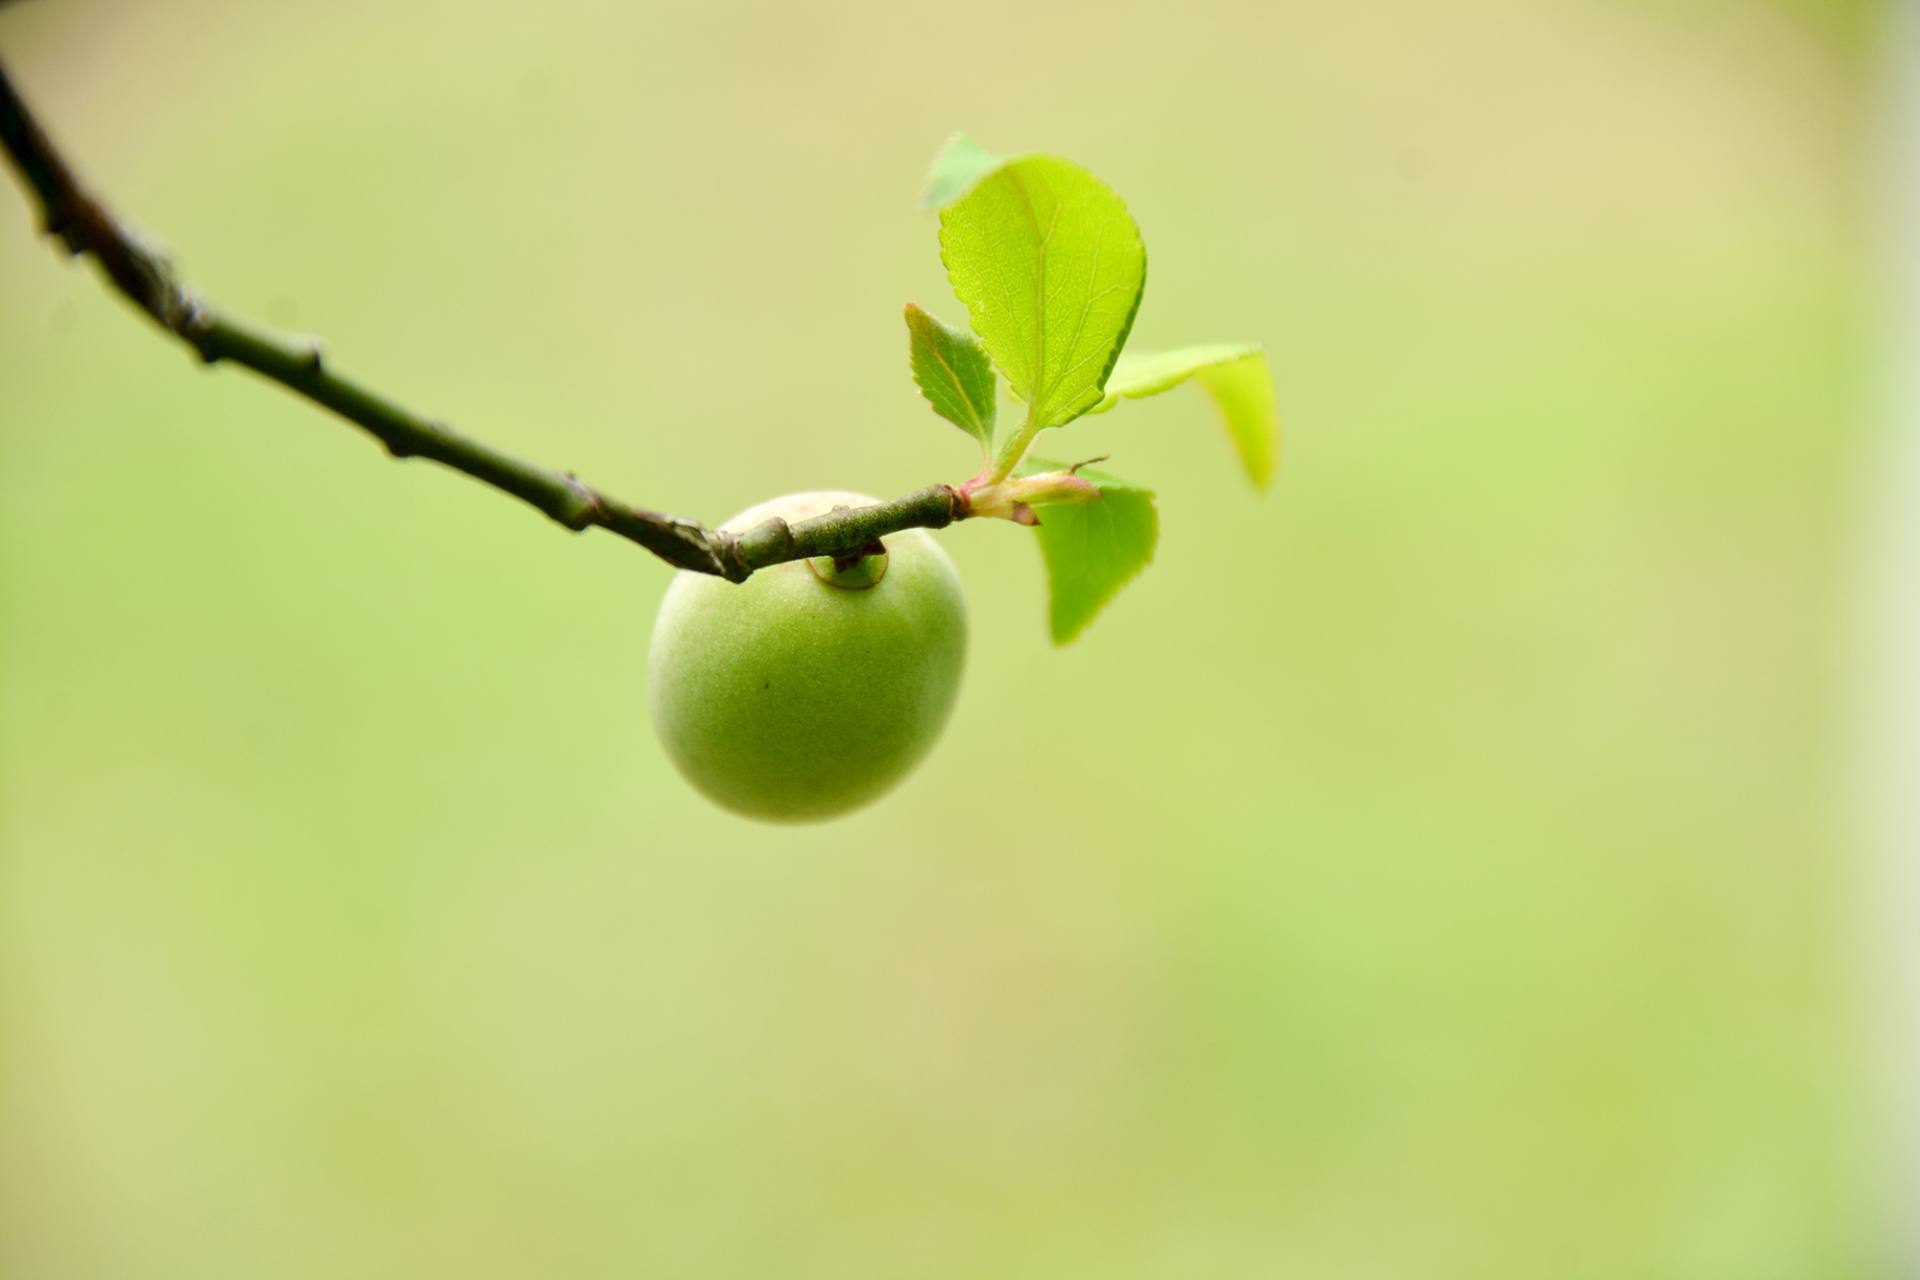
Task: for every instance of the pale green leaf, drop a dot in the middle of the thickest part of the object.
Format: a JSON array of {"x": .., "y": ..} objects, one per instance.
[
  {"x": 1092, "y": 549},
  {"x": 953, "y": 373},
  {"x": 960, "y": 164},
  {"x": 1235, "y": 376},
  {"x": 1051, "y": 268}
]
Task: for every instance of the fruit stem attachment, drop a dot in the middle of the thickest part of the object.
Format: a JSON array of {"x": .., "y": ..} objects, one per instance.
[{"x": 856, "y": 572}]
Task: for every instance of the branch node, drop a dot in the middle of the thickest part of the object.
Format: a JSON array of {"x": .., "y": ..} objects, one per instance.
[
  {"x": 590, "y": 509},
  {"x": 769, "y": 542},
  {"x": 731, "y": 559},
  {"x": 959, "y": 507},
  {"x": 56, "y": 227},
  {"x": 195, "y": 327}
]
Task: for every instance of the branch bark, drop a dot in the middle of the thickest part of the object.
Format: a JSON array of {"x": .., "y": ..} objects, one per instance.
[{"x": 73, "y": 216}]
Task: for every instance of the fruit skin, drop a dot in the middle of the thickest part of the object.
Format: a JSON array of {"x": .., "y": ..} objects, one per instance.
[{"x": 789, "y": 700}]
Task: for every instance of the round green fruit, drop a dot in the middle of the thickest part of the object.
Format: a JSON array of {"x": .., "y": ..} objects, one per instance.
[{"x": 807, "y": 691}]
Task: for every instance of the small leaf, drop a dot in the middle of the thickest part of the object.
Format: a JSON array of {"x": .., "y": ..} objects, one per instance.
[
  {"x": 960, "y": 164},
  {"x": 953, "y": 373},
  {"x": 1051, "y": 268},
  {"x": 1092, "y": 549},
  {"x": 1235, "y": 375}
]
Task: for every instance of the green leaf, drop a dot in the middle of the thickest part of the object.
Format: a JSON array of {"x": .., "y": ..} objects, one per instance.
[
  {"x": 953, "y": 373},
  {"x": 1051, "y": 268},
  {"x": 1092, "y": 549},
  {"x": 1235, "y": 375},
  {"x": 960, "y": 164}
]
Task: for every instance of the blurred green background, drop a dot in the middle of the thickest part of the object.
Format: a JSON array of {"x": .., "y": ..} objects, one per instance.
[{"x": 1427, "y": 870}]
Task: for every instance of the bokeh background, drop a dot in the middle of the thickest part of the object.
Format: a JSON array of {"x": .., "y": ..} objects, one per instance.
[{"x": 1436, "y": 868}]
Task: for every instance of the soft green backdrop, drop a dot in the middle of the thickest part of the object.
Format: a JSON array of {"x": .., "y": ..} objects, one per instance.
[{"x": 1425, "y": 871}]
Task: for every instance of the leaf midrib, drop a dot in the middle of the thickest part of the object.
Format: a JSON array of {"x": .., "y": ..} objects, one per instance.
[
  {"x": 1039, "y": 287},
  {"x": 953, "y": 376}
]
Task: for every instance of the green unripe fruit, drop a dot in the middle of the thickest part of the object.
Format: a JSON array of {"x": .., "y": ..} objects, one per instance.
[{"x": 792, "y": 699}]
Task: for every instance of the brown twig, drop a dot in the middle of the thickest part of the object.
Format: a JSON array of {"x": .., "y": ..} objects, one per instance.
[{"x": 84, "y": 226}]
